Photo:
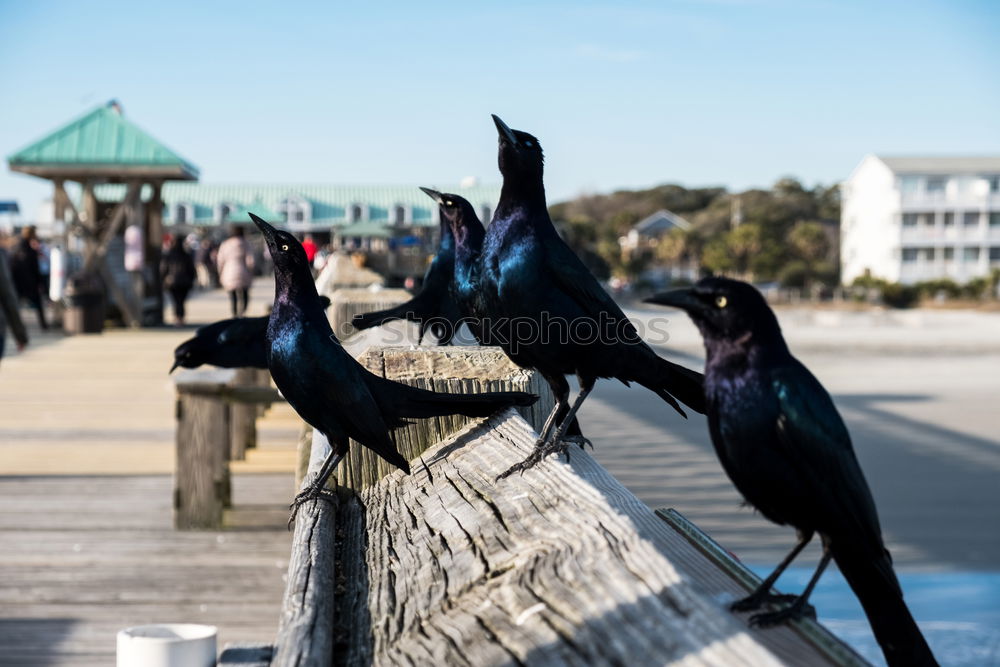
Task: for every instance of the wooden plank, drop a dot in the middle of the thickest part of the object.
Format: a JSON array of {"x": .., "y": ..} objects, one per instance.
[
  {"x": 83, "y": 557},
  {"x": 345, "y": 303},
  {"x": 466, "y": 370},
  {"x": 824, "y": 641},
  {"x": 561, "y": 565},
  {"x": 305, "y": 633},
  {"x": 242, "y": 418},
  {"x": 201, "y": 487}
]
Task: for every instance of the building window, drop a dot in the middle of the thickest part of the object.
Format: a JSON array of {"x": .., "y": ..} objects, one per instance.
[
  {"x": 909, "y": 219},
  {"x": 970, "y": 254},
  {"x": 928, "y": 254},
  {"x": 356, "y": 213},
  {"x": 295, "y": 209},
  {"x": 995, "y": 254},
  {"x": 949, "y": 219},
  {"x": 486, "y": 214},
  {"x": 909, "y": 254},
  {"x": 223, "y": 211},
  {"x": 994, "y": 182},
  {"x": 949, "y": 254},
  {"x": 970, "y": 219},
  {"x": 183, "y": 214},
  {"x": 399, "y": 215},
  {"x": 994, "y": 219},
  {"x": 909, "y": 183},
  {"x": 935, "y": 183},
  {"x": 928, "y": 219}
]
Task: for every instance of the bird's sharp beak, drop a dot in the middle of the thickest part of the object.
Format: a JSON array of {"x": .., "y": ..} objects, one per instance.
[
  {"x": 503, "y": 130},
  {"x": 174, "y": 367},
  {"x": 433, "y": 194},
  {"x": 684, "y": 299},
  {"x": 265, "y": 229}
]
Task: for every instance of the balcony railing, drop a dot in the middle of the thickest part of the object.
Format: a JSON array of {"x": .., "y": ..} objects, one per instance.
[{"x": 940, "y": 199}]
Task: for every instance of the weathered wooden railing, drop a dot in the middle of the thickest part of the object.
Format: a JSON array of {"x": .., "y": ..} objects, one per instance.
[
  {"x": 347, "y": 302},
  {"x": 216, "y": 414},
  {"x": 561, "y": 565}
]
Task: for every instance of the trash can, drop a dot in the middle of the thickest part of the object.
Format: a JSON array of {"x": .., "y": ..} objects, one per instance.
[{"x": 84, "y": 298}]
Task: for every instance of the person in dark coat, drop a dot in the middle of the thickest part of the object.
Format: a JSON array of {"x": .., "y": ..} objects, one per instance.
[
  {"x": 27, "y": 274},
  {"x": 9, "y": 314},
  {"x": 178, "y": 274}
]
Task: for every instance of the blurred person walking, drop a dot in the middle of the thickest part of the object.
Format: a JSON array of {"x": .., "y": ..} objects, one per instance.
[
  {"x": 235, "y": 262},
  {"x": 178, "y": 274},
  {"x": 204, "y": 264},
  {"x": 10, "y": 316},
  {"x": 27, "y": 273}
]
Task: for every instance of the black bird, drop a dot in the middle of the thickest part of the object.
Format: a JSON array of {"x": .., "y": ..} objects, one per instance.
[
  {"x": 468, "y": 233},
  {"x": 783, "y": 444},
  {"x": 328, "y": 388},
  {"x": 433, "y": 307},
  {"x": 551, "y": 314},
  {"x": 239, "y": 342}
]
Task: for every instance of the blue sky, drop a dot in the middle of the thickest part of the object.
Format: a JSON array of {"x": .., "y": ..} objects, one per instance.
[{"x": 730, "y": 92}]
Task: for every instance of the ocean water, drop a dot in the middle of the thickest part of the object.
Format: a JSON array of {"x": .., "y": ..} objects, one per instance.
[{"x": 958, "y": 612}]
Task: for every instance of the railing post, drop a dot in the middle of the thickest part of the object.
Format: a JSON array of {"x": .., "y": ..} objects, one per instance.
[
  {"x": 243, "y": 418},
  {"x": 201, "y": 480}
]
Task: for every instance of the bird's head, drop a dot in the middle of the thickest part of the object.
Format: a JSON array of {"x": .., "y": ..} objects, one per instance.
[
  {"x": 188, "y": 354},
  {"x": 456, "y": 212},
  {"x": 286, "y": 252},
  {"x": 724, "y": 309},
  {"x": 520, "y": 154}
]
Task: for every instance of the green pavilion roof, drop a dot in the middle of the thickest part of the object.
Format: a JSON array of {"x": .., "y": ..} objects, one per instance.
[{"x": 101, "y": 143}]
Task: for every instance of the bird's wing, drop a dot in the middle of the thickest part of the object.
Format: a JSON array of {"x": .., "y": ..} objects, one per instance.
[
  {"x": 813, "y": 437},
  {"x": 244, "y": 331},
  {"x": 576, "y": 280},
  {"x": 347, "y": 398},
  {"x": 212, "y": 330}
]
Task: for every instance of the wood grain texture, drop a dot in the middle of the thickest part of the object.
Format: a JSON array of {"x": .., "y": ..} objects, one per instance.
[
  {"x": 464, "y": 370},
  {"x": 243, "y": 418},
  {"x": 561, "y": 565},
  {"x": 347, "y": 302},
  {"x": 201, "y": 484}
]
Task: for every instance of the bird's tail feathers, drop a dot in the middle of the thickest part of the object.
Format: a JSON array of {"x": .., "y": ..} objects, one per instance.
[
  {"x": 411, "y": 402},
  {"x": 875, "y": 585},
  {"x": 379, "y": 317},
  {"x": 672, "y": 382},
  {"x": 417, "y": 309}
]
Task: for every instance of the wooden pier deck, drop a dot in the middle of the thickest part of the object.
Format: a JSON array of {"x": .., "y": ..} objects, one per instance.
[{"x": 87, "y": 545}]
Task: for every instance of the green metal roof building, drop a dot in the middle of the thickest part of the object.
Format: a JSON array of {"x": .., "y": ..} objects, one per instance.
[{"x": 357, "y": 210}]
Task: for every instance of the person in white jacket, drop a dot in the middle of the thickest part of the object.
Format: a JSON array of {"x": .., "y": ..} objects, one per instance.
[{"x": 235, "y": 262}]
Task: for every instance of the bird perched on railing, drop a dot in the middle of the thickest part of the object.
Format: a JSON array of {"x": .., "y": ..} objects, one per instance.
[
  {"x": 328, "y": 388},
  {"x": 553, "y": 314},
  {"x": 784, "y": 446},
  {"x": 240, "y": 342},
  {"x": 433, "y": 307},
  {"x": 468, "y": 233}
]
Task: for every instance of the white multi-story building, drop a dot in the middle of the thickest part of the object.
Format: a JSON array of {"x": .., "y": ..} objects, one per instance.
[{"x": 908, "y": 219}]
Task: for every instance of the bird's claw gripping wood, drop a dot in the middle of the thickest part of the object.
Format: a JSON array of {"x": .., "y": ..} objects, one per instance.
[
  {"x": 312, "y": 493},
  {"x": 794, "y": 612},
  {"x": 542, "y": 449}
]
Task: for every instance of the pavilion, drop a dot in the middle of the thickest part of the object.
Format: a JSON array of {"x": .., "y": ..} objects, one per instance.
[{"x": 99, "y": 148}]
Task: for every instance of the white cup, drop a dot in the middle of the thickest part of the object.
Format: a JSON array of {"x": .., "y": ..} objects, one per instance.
[{"x": 167, "y": 645}]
